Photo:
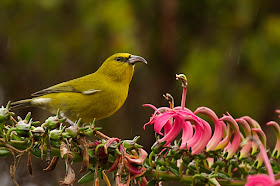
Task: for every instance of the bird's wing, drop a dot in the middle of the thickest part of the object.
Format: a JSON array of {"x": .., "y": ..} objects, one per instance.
[{"x": 62, "y": 88}]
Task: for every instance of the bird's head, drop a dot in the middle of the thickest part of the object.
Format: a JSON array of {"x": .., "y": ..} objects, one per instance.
[{"x": 120, "y": 66}]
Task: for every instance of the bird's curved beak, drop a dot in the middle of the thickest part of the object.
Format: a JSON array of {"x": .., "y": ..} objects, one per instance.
[{"x": 135, "y": 59}]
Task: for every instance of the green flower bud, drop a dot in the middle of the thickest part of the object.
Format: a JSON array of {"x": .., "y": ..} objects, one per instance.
[
  {"x": 38, "y": 131},
  {"x": 159, "y": 161},
  {"x": 22, "y": 128},
  {"x": 174, "y": 151},
  {"x": 70, "y": 132},
  {"x": 52, "y": 122},
  {"x": 192, "y": 165},
  {"x": 158, "y": 146},
  {"x": 4, "y": 152},
  {"x": 21, "y": 125},
  {"x": 4, "y": 114},
  {"x": 129, "y": 144},
  {"x": 56, "y": 134}
]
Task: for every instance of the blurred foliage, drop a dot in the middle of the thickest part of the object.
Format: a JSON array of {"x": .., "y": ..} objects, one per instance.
[{"x": 229, "y": 51}]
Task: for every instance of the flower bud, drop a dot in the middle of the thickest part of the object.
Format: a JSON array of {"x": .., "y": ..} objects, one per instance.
[
  {"x": 70, "y": 132},
  {"x": 56, "y": 134},
  {"x": 22, "y": 128},
  {"x": 52, "y": 122},
  {"x": 4, "y": 152},
  {"x": 158, "y": 146},
  {"x": 159, "y": 160},
  {"x": 4, "y": 114},
  {"x": 38, "y": 131}
]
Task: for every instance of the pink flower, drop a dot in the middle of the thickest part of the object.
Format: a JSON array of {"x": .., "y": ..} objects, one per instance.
[
  {"x": 276, "y": 128},
  {"x": 247, "y": 130},
  {"x": 253, "y": 124},
  {"x": 219, "y": 127},
  {"x": 262, "y": 137},
  {"x": 232, "y": 148},
  {"x": 176, "y": 128},
  {"x": 157, "y": 114},
  {"x": 259, "y": 180},
  {"x": 173, "y": 120},
  {"x": 263, "y": 179},
  {"x": 201, "y": 137}
]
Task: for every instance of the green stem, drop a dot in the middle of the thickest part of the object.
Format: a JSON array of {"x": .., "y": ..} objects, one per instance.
[
  {"x": 151, "y": 159},
  {"x": 22, "y": 145},
  {"x": 188, "y": 179}
]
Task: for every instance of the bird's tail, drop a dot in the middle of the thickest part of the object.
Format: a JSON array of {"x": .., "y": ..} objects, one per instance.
[{"x": 21, "y": 104}]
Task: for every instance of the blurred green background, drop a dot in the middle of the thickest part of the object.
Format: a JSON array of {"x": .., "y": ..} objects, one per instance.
[{"x": 229, "y": 51}]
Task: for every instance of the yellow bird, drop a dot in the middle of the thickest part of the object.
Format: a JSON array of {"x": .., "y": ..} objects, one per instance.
[{"x": 97, "y": 95}]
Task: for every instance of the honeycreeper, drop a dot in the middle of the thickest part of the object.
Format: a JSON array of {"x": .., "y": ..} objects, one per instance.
[{"x": 97, "y": 95}]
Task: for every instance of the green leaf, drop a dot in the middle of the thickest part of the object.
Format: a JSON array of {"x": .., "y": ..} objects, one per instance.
[
  {"x": 90, "y": 153},
  {"x": 87, "y": 177},
  {"x": 223, "y": 175},
  {"x": 173, "y": 168},
  {"x": 152, "y": 183}
]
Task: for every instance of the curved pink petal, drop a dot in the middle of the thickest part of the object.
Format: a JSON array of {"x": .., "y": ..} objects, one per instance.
[
  {"x": 135, "y": 159},
  {"x": 261, "y": 135},
  {"x": 110, "y": 141},
  {"x": 152, "y": 120},
  {"x": 199, "y": 130},
  {"x": 197, "y": 134},
  {"x": 161, "y": 120},
  {"x": 235, "y": 144},
  {"x": 266, "y": 161},
  {"x": 245, "y": 126},
  {"x": 219, "y": 125},
  {"x": 276, "y": 128},
  {"x": 245, "y": 150},
  {"x": 247, "y": 130},
  {"x": 115, "y": 164},
  {"x": 155, "y": 114},
  {"x": 132, "y": 169},
  {"x": 179, "y": 108},
  {"x": 176, "y": 128},
  {"x": 189, "y": 114},
  {"x": 167, "y": 127},
  {"x": 226, "y": 140},
  {"x": 253, "y": 123},
  {"x": 262, "y": 138},
  {"x": 262, "y": 179},
  {"x": 151, "y": 106},
  {"x": 204, "y": 139},
  {"x": 187, "y": 134},
  {"x": 157, "y": 110}
]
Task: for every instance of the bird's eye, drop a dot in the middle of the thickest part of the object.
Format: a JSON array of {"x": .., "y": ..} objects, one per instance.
[{"x": 118, "y": 58}]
